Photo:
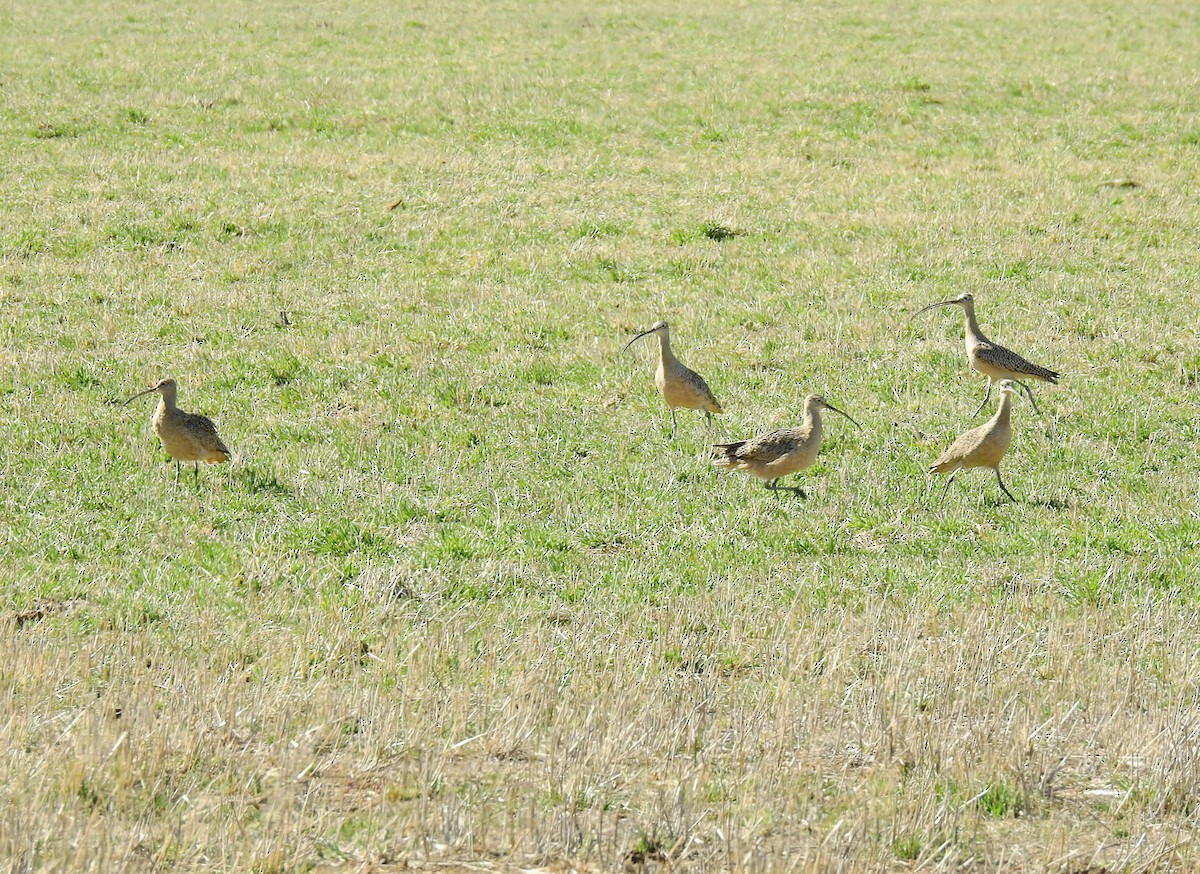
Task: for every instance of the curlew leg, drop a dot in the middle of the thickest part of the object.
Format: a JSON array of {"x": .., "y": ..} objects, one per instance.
[
  {"x": 1004, "y": 489},
  {"x": 176, "y": 474},
  {"x": 983, "y": 403},
  {"x": 1029, "y": 395},
  {"x": 674, "y": 424},
  {"x": 946, "y": 488},
  {"x": 772, "y": 485},
  {"x": 196, "y": 475}
]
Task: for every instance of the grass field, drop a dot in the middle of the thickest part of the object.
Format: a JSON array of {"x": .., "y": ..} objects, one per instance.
[{"x": 460, "y": 603}]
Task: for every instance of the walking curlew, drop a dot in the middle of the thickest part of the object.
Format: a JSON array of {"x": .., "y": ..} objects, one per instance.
[
  {"x": 778, "y": 453},
  {"x": 185, "y": 436},
  {"x": 679, "y": 385},
  {"x": 983, "y": 446},
  {"x": 991, "y": 359}
]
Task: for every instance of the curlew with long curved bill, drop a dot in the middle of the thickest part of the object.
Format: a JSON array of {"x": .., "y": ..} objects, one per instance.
[
  {"x": 680, "y": 386},
  {"x": 984, "y": 446},
  {"x": 781, "y": 452},
  {"x": 991, "y": 359},
  {"x": 185, "y": 436}
]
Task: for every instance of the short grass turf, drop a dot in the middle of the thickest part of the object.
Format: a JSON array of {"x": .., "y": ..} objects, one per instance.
[{"x": 460, "y": 602}]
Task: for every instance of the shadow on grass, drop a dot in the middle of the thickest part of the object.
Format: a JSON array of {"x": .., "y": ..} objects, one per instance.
[
  {"x": 796, "y": 491},
  {"x": 1049, "y": 504},
  {"x": 261, "y": 482}
]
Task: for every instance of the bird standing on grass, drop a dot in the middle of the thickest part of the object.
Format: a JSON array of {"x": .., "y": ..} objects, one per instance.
[
  {"x": 991, "y": 359},
  {"x": 984, "y": 446},
  {"x": 679, "y": 385},
  {"x": 781, "y": 452},
  {"x": 185, "y": 436}
]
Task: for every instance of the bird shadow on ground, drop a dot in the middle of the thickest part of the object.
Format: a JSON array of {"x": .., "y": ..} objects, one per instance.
[
  {"x": 1046, "y": 503},
  {"x": 997, "y": 503},
  {"x": 795, "y": 491},
  {"x": 260, "y": 481},
  {"x": 1049, "y": 504}
]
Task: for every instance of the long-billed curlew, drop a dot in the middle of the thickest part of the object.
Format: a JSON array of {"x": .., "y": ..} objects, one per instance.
[
  {"x": 983, "y": 446},
  {"x": 185, "y": 436},
  {"x": 679, "y": 385},
  {"x": 778, "y": 453},
  {"x": 991, "y": 359}
]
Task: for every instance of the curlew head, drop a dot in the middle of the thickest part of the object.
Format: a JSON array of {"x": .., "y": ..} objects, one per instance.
[
  {"x": 1007, "y": 385},
  {"x": 163, "y": 387},
  {"x": 659, "y": 327},
  {"x": 963, "y": 300},
  {"x": 818, "y": 402}
]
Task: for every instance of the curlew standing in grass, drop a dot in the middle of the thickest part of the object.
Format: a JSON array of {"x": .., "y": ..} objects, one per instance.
[
  {"x": 679, "y": 385},
  {"x": 984, "y": 446},
  {"x": 781, "y": 452},
  {"x": 991, "y": 359},
  {"x": 185, "y": 436}
]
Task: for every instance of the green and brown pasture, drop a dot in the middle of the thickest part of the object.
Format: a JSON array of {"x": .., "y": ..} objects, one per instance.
[{"x": 460, "y": 603}]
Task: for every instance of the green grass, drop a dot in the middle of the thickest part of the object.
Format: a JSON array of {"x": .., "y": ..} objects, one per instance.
[{"x": 460, "y": 599}]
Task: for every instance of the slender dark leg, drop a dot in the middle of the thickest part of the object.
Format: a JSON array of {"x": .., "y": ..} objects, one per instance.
[
  {"x": 983, "y": 403},
  {"x": 1003, "y": 489},
  {"x": 196, "y": 475},
  {"x": 674, "y": 424},
  {"x": 176, "y": 474},
  {"x": 946, "y": 488},
  {"x": 1029, "y": 395}
]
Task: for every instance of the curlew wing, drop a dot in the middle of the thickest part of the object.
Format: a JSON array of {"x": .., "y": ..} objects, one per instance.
[
  {"x": 204, "y": 434},
  {"x": 963, "y": 445},
  {"x": 1006, "y": 359},
  {"x": 704, "y": 396},
  {"x": 766, "y": 447}
]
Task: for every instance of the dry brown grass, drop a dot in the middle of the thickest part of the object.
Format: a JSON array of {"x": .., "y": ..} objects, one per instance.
[
  {"x": 704, "y": 733},
  {"x": 459, "y": 604}
]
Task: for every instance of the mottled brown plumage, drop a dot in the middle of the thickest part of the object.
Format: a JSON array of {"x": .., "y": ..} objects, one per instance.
[
  {"x": 991, "y": 359},
  {"x": 680, "y": 386},
  {"x": 185, "y": 436},
  {"x": 781, "y": 452},
  {"x": 984, "y": 446}
]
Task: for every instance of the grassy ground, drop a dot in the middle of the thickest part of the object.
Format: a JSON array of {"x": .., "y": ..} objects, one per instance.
[{"x": 460, "y": 603}]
